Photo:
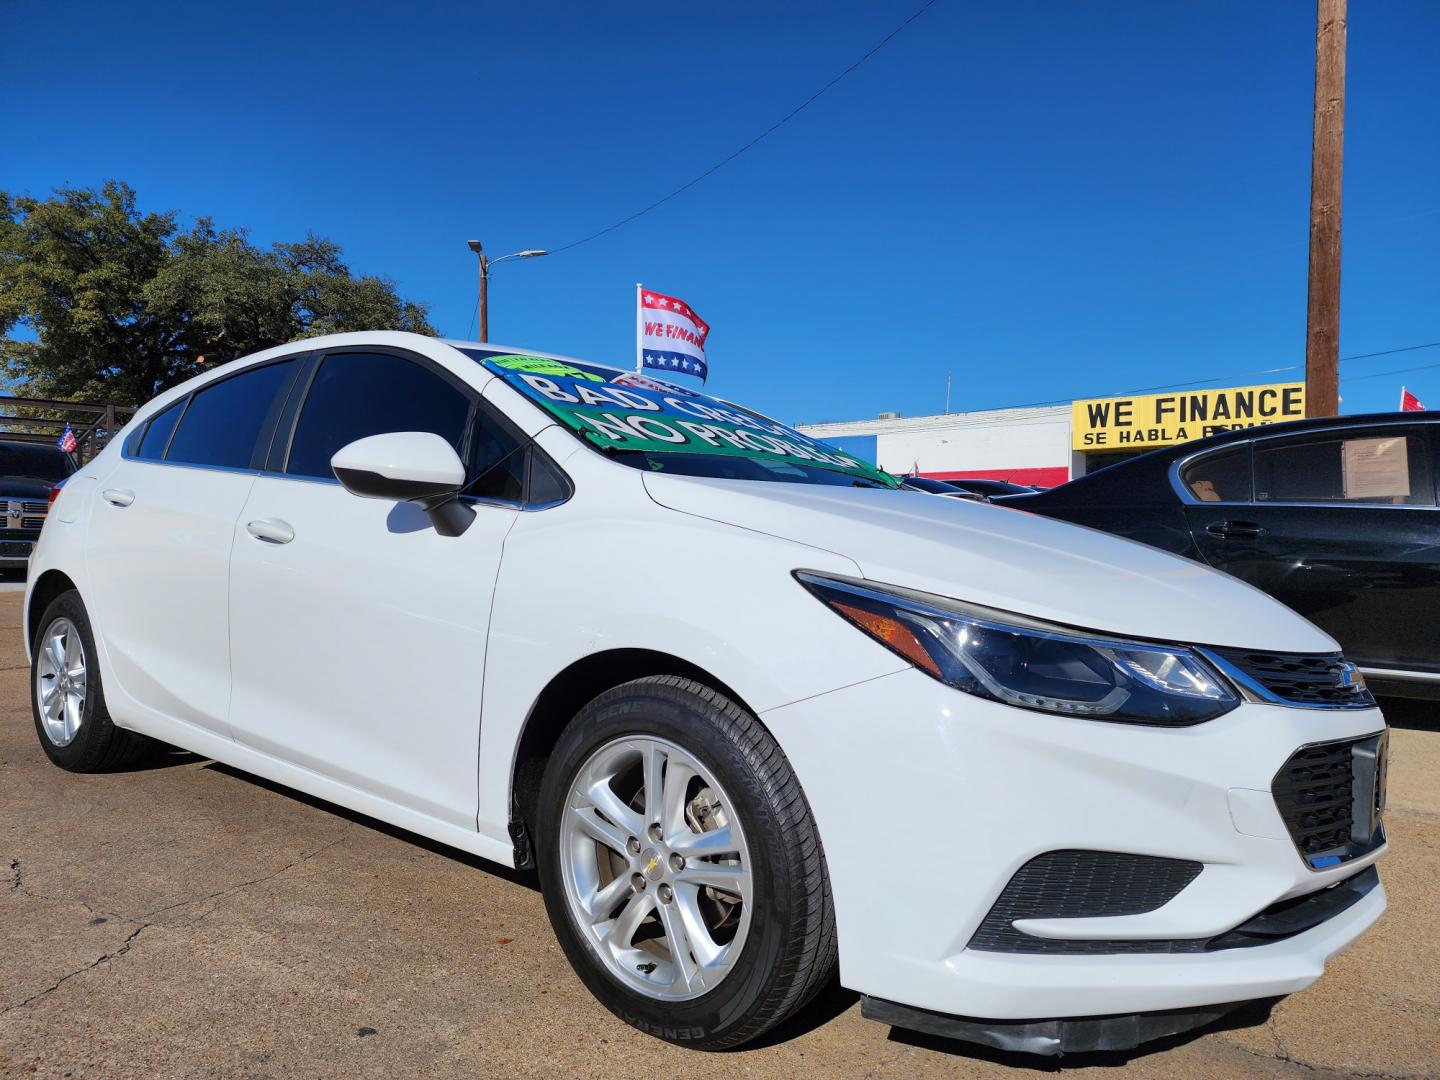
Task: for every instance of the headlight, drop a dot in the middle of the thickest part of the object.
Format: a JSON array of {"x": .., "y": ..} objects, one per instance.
[{"x": 1031, "y": 664}]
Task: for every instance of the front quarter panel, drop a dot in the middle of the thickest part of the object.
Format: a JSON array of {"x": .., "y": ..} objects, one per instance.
[{"x": 610, "y": 569}]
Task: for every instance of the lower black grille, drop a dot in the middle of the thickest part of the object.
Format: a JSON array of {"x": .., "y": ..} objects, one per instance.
[
  {"x": 1080, "y": 884},
  {"x": 1137, "y": 884},
  {"x": 1331, "y": 795},
  {"x": 1324, "y": 679}
]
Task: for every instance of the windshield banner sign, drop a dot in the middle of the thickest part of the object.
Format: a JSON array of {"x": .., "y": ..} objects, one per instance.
[{"x": 623, "y": 411}]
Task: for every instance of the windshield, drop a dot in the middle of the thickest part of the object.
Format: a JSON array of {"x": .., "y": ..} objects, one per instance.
[
  {"x": 20, "y": 461},
  {"x": 656, "y": 426}
]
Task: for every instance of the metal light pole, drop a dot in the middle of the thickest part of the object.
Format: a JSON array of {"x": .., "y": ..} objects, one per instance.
[{"x": 485, "y": 265}]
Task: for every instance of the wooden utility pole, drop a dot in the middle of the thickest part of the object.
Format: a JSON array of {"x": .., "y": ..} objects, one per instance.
[{"x": 1322, "y": 332}]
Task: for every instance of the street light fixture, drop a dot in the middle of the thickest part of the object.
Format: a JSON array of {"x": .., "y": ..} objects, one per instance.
[{"x": 485, "y": 265}]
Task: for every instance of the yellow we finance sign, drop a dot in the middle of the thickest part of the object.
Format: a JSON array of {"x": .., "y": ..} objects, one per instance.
[{"x": 1134, "y": 423}]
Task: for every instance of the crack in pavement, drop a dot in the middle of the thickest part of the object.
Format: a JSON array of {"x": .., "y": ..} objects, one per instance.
[
  {"x": 121, "y": 950},
  {"x": 146, "y": 924},
  {"x": 1282, "y": 1054},
  {"x": 230, "y": 890}
]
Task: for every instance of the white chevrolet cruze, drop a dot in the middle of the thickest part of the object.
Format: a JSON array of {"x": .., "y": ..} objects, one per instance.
[{"x": 751, "y": 711}]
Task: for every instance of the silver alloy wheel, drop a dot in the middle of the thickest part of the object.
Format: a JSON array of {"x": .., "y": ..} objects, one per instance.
[
  {"x": 655, "y": 868},
  {"x": 60, "y": 681}
]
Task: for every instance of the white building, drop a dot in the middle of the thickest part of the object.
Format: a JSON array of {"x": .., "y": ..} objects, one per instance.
[
  {"x": 1024, "y": 446},
  {"x": 1048, "y": 445}
]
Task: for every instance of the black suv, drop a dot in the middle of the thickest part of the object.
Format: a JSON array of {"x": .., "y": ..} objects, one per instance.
[{"x": 28, "y": 473}]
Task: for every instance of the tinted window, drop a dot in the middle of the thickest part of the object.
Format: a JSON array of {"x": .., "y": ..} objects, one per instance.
[
  {"x": 1222, "y": 477},
  {"x": 359, "y": 394},
  {"x": 547, "y": 482},
  {"x": 223, "y": 422},
  {"x": 497, "y": 461},
  {"x": 157, "y": 432},
  {"x": 33, "y": 462},
  {"x": 1378, "y": 466}
]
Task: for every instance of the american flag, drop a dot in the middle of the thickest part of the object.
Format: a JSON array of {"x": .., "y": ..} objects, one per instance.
[
  {"x": 68, "y": 442},
  {"x": 672, "y": 335}
]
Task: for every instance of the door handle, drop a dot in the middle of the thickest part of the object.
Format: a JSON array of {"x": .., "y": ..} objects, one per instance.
[
  {"x": 118, "y": 496},
  {"x": 1236, "y": 530},
  {"x": 270, "y": 530}
]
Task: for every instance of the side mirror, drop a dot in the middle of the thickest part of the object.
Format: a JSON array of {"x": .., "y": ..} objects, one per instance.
[{"x": 408, "y": 466}]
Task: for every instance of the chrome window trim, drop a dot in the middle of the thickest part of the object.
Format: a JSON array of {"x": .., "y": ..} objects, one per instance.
[
  {"x": 1189, "y": 500},
  {"x": 1258, "y": 693}
]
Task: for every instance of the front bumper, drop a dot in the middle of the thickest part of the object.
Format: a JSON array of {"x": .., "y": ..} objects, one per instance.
[{"x": 928, "y": 801}]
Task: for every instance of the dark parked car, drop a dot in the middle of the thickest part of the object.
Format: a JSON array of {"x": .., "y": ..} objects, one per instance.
[
  {"x": 1336, "y": 517},
  {"x": 28, "y": 473},
  {"x": 966, "y": 489}
]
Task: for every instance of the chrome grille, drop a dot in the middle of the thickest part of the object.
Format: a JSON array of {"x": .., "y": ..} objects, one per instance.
[{"x": 1319, "y": 680}]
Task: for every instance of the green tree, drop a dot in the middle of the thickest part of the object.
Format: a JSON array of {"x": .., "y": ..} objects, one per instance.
[{"x": 117, "y": 305}]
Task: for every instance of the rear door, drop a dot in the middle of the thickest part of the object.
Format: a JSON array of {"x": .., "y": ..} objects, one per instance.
[
  {"x": 159, "y": 542},
  {"x": 1340, "y": 525}
]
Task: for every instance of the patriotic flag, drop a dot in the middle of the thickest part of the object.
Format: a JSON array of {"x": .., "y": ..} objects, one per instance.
[
  {"x": 68, "y": 442},
  {"x": 670, "y": 336},
  {"x": 1409, "y": 402}
]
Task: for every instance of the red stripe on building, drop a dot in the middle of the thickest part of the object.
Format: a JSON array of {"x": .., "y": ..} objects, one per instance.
[{"x": 1044, "y": 477}]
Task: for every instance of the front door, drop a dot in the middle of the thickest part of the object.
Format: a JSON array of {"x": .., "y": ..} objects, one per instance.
[
  {"x": 1342, "y": 527},
  {"x": 357, "y": 631}
]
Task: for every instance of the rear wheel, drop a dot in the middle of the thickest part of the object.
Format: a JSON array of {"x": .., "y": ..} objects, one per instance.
[
  {"x": 681, "y": 869},
  {"x": 68, "y": 702}
]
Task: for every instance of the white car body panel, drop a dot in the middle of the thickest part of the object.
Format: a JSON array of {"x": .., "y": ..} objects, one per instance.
[
  {"x": 434, "y": 651},
  {"x": 1006, "y": 559}
]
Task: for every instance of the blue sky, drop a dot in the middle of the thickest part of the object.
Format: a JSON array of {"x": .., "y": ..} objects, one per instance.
[{"x": 1050, "y": 200}]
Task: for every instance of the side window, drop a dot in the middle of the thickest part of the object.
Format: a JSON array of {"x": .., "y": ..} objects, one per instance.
[
  {"x": 497, "y": 460},
  {"x": 1221, "y": 477},
  {"x": 547, "y": 483},
  {"x": 358, "y": 394},
  {"x": 224, "y": 420},
  {"x": 157, "y": 432},
  {"x": 1379, "y": 466}
]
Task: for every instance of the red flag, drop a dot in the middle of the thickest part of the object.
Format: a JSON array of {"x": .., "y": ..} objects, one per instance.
[{"x": 1409, "y": 402}]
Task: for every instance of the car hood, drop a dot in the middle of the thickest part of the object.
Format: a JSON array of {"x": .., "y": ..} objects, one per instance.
[
  {"x": 1004, "y": 558},
  {"x": 25, "y": 489}
]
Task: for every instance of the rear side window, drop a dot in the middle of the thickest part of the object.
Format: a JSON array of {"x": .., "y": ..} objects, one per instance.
[
  {"x": 1222, "y": 477},
  {"x": 355, "y": 395},
  {"x": 1380, "y": 466},
  {"x": 158, "y": 432},
  {"x": 224, "y": 420}
]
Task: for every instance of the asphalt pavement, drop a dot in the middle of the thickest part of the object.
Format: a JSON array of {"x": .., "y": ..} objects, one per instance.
[{"x": 184, "y": 920}]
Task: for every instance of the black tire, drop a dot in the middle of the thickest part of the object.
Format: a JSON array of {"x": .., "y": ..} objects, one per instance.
[
  {"x": 99, "y": 744},
  {"x": 790, "y": 951}
]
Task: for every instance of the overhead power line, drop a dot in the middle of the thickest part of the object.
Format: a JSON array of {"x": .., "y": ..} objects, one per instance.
[
  {"x": 796, "y": 111},
  {"x": 1247, "y": 374}
]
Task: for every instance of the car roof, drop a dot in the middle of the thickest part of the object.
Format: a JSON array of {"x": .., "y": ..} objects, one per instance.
[{"x": 27, "y": 444}]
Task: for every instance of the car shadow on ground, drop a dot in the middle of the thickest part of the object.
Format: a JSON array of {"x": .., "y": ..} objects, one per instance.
[
  {"x": 1249, "y": 1015},
  {"x": 527, "y": 878},
  {"x": 1413, "y": 714}
]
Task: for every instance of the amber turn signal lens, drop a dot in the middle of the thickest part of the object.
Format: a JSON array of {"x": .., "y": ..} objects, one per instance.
[{"x": 893, "y": 633}]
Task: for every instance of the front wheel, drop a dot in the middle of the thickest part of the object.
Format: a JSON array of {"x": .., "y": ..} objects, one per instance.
[{"x": 681, "y": 869}]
